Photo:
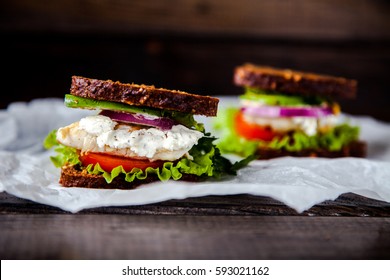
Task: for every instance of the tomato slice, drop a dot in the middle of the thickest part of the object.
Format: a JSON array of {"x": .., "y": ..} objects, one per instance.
[
  {"x": 109, "y": 162},
  {"x": 252, "y": 131}
]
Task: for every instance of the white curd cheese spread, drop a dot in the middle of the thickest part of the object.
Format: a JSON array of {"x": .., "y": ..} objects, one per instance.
[
  {"x": 101, "y": 134},
  {"x": 309, "y": 125}
]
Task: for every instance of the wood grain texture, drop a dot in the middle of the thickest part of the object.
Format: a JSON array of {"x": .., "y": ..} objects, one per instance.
[
  {"x": 192, "y": 237},
  {"x": 195, "y": 64},
  {"x": 236, "y": 205},
  {"x": 193, "y": 45},
  {"x": 331, "y": 19}
]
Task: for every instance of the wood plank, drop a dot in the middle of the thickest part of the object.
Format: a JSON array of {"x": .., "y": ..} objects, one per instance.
[
  {"x": 331, "y": 19},
  {"x": 235, "y": 205},
  {"x": 192, "y": 237},
  {"x": 194, "y": 64}
]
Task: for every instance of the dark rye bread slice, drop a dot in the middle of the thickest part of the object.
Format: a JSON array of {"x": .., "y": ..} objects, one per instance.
[
  {"x": 294, "y": 82},
  {"x": 73, "y": 177},
  {"x": 354, "y": 149},
  {"x": 144, "y": 95}
]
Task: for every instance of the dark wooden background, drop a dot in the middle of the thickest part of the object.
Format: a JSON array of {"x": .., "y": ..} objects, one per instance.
[{"x": 193, "y": 45}]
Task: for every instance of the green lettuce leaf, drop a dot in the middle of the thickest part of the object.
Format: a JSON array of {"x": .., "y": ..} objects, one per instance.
[
  {"x": 64, "y": 155},
  {"x": 333, "y": 140},
  {"x": 232, "y": 143},
  {"x": 207, "y": 162}
]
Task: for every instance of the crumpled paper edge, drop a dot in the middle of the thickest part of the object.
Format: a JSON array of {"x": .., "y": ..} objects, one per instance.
[
  {"x": 24, "y": 160},
  {"x": 296, "y": 192}
]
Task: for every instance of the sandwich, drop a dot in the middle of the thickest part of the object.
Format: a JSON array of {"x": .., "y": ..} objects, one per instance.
[
  {"x": 284, "y": 112},
  {"x": 136, "y": 134}
]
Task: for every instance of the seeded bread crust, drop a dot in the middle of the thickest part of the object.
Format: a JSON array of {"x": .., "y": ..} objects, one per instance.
[
  {"x": 354, "y": 149},
  {"x": 72, "y": 177},
  {"x": 143, "y": 95},
  {"x": 294, "y": 82}
]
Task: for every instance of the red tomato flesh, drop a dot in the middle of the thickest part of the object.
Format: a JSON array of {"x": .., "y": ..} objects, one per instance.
[
  {"x": 252, "y": 131},
  {"x": 109, "y": 162}
]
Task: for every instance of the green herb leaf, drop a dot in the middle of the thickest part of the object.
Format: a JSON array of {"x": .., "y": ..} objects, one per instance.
[{"x": 184, "y": 119}]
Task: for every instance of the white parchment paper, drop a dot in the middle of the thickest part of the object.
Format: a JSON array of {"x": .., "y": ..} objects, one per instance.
[{"x": 300, "y": 183}]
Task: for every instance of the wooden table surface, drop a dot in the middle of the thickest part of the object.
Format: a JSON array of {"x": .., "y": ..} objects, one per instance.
[
  {"x": 195, "y": 47},
  {"x": 213, "y": 227}
]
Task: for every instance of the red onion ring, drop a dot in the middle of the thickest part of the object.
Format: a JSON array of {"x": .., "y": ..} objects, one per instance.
[
  {"x": 159, "y": 122},
  {"x": 276, "y": 111}
]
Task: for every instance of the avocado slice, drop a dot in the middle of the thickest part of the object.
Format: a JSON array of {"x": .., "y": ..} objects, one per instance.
[
  {"x": 274, "y": 98},
  {"x": 187, "y": 120},
  {"x": 72, "y": 101}
]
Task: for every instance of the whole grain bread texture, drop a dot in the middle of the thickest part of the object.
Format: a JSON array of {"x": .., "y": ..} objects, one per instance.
[
  {"x": 144, "y": 95},
  {"x": 354, "y": 149},
  {"x": 294, "y": 82},
  {"x": 72, "y": 176}
]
